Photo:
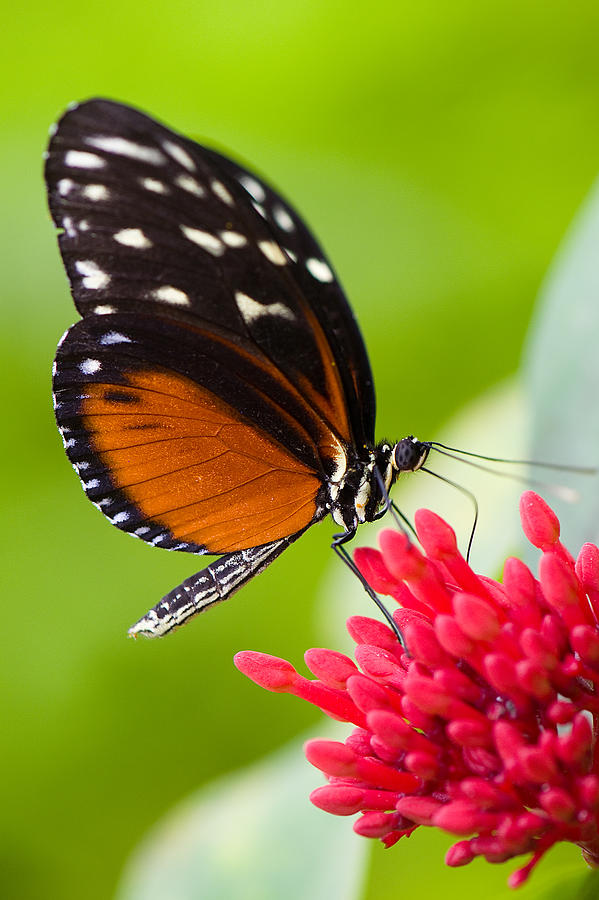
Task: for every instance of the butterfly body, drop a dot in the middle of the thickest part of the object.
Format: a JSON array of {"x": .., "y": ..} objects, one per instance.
[{"x": 216, "y": 396}]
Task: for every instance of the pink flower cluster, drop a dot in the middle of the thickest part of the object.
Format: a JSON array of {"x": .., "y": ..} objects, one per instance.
[{"x": 486, "y": 724}]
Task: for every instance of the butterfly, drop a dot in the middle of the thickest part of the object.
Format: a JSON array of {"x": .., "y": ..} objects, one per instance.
[{"x": 216, "y": 395}]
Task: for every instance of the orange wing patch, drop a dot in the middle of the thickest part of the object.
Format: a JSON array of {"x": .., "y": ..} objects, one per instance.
[{"x": 182, "y": 456}]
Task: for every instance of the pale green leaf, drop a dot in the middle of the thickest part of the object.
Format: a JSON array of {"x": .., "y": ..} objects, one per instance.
[
  {"x": 563, "y": 372},
  {"x": 252, "y": 835}
]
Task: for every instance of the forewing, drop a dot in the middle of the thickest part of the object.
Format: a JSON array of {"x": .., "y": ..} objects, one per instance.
[{"x": 153, "y": 223}]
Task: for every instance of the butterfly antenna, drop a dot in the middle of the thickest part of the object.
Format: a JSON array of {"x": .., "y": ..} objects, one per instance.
[
  {"x": 570, "y": 495},
  {"x": 467, "y": 493},
  {"x": 563, "y": 467},
  {"x": 342, "y": 553},
  {"x": 565, "y": 493}
]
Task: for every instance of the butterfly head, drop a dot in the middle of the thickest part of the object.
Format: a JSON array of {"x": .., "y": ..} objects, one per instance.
[{"x": 409, "y": 454}]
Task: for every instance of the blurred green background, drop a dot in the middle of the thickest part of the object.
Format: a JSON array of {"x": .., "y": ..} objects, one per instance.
[{"x": 439, "y": 150}]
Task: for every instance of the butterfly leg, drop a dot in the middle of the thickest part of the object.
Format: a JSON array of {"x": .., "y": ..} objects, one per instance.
[
  {"x": 401, "y": 520},
  {"x": 338, "y": 546},
  {"x": 215, "y": 583}
]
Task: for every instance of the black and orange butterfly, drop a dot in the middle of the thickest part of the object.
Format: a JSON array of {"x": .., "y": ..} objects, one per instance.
[{"x": 216, "y": 397}]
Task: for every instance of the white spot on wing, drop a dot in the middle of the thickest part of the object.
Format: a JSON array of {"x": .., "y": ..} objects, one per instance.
[
  {"x": 169, "y": 294},
  {"x": 189, "y": 184},
  {"x": 95, "y": 192},
  {"x": 64, "y": 186},
  {"x": 93, "y": 277},
  {"x": 123, "y": 147},
  {"x": 319, "y": 270},
  {"x": 179, "y": 154},
  {"x": 115, "y": 337},
  {"x": 119, "y": 517},
  {"x": 104, "y": 310},
  {"x": 81, "y": 159},
  {"x": 283, "y": 219},
  {"x": 88, "y": 485},
  {"x": 90, "y": 366},
  {"x": 232, "y": 238},
  {"x": 273, "y": 253},
  {"x": 251, "y": 310},
  {"x": 221, "y": 192},
  {"x": 152, "y": 184},
  {"x": 253, "y": 187},
  {"x": 133, "y": 237},
  {"x": 143, "y": 529},
  {"x": 67, "y": 224},
  {"x": 204, "y": 239}
]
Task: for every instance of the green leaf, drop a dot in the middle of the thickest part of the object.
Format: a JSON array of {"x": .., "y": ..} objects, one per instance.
[
  {"x": 253, "y": 835},
  {"x": 589, "y": 889},
  {"x": 570, "y": 883},
  {"x": 562, "y": 372}
]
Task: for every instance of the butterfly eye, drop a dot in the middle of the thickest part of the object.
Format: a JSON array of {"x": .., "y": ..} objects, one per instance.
[{"x": 409, "y": 454}]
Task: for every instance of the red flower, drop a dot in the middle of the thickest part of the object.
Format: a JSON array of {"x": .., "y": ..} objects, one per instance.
[{"x": 486, "y": 725}]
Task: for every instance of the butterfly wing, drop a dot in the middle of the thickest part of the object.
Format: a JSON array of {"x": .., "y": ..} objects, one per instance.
[
  {"x": 320, "y": 287},
  {"x": 150, "y": 416},
  {"x": 218, "y": 378},
  {"x": 153, "y": 222}
]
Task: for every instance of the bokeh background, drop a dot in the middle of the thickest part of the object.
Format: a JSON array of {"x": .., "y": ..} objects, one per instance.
[{"x": 440, "y": 151}]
